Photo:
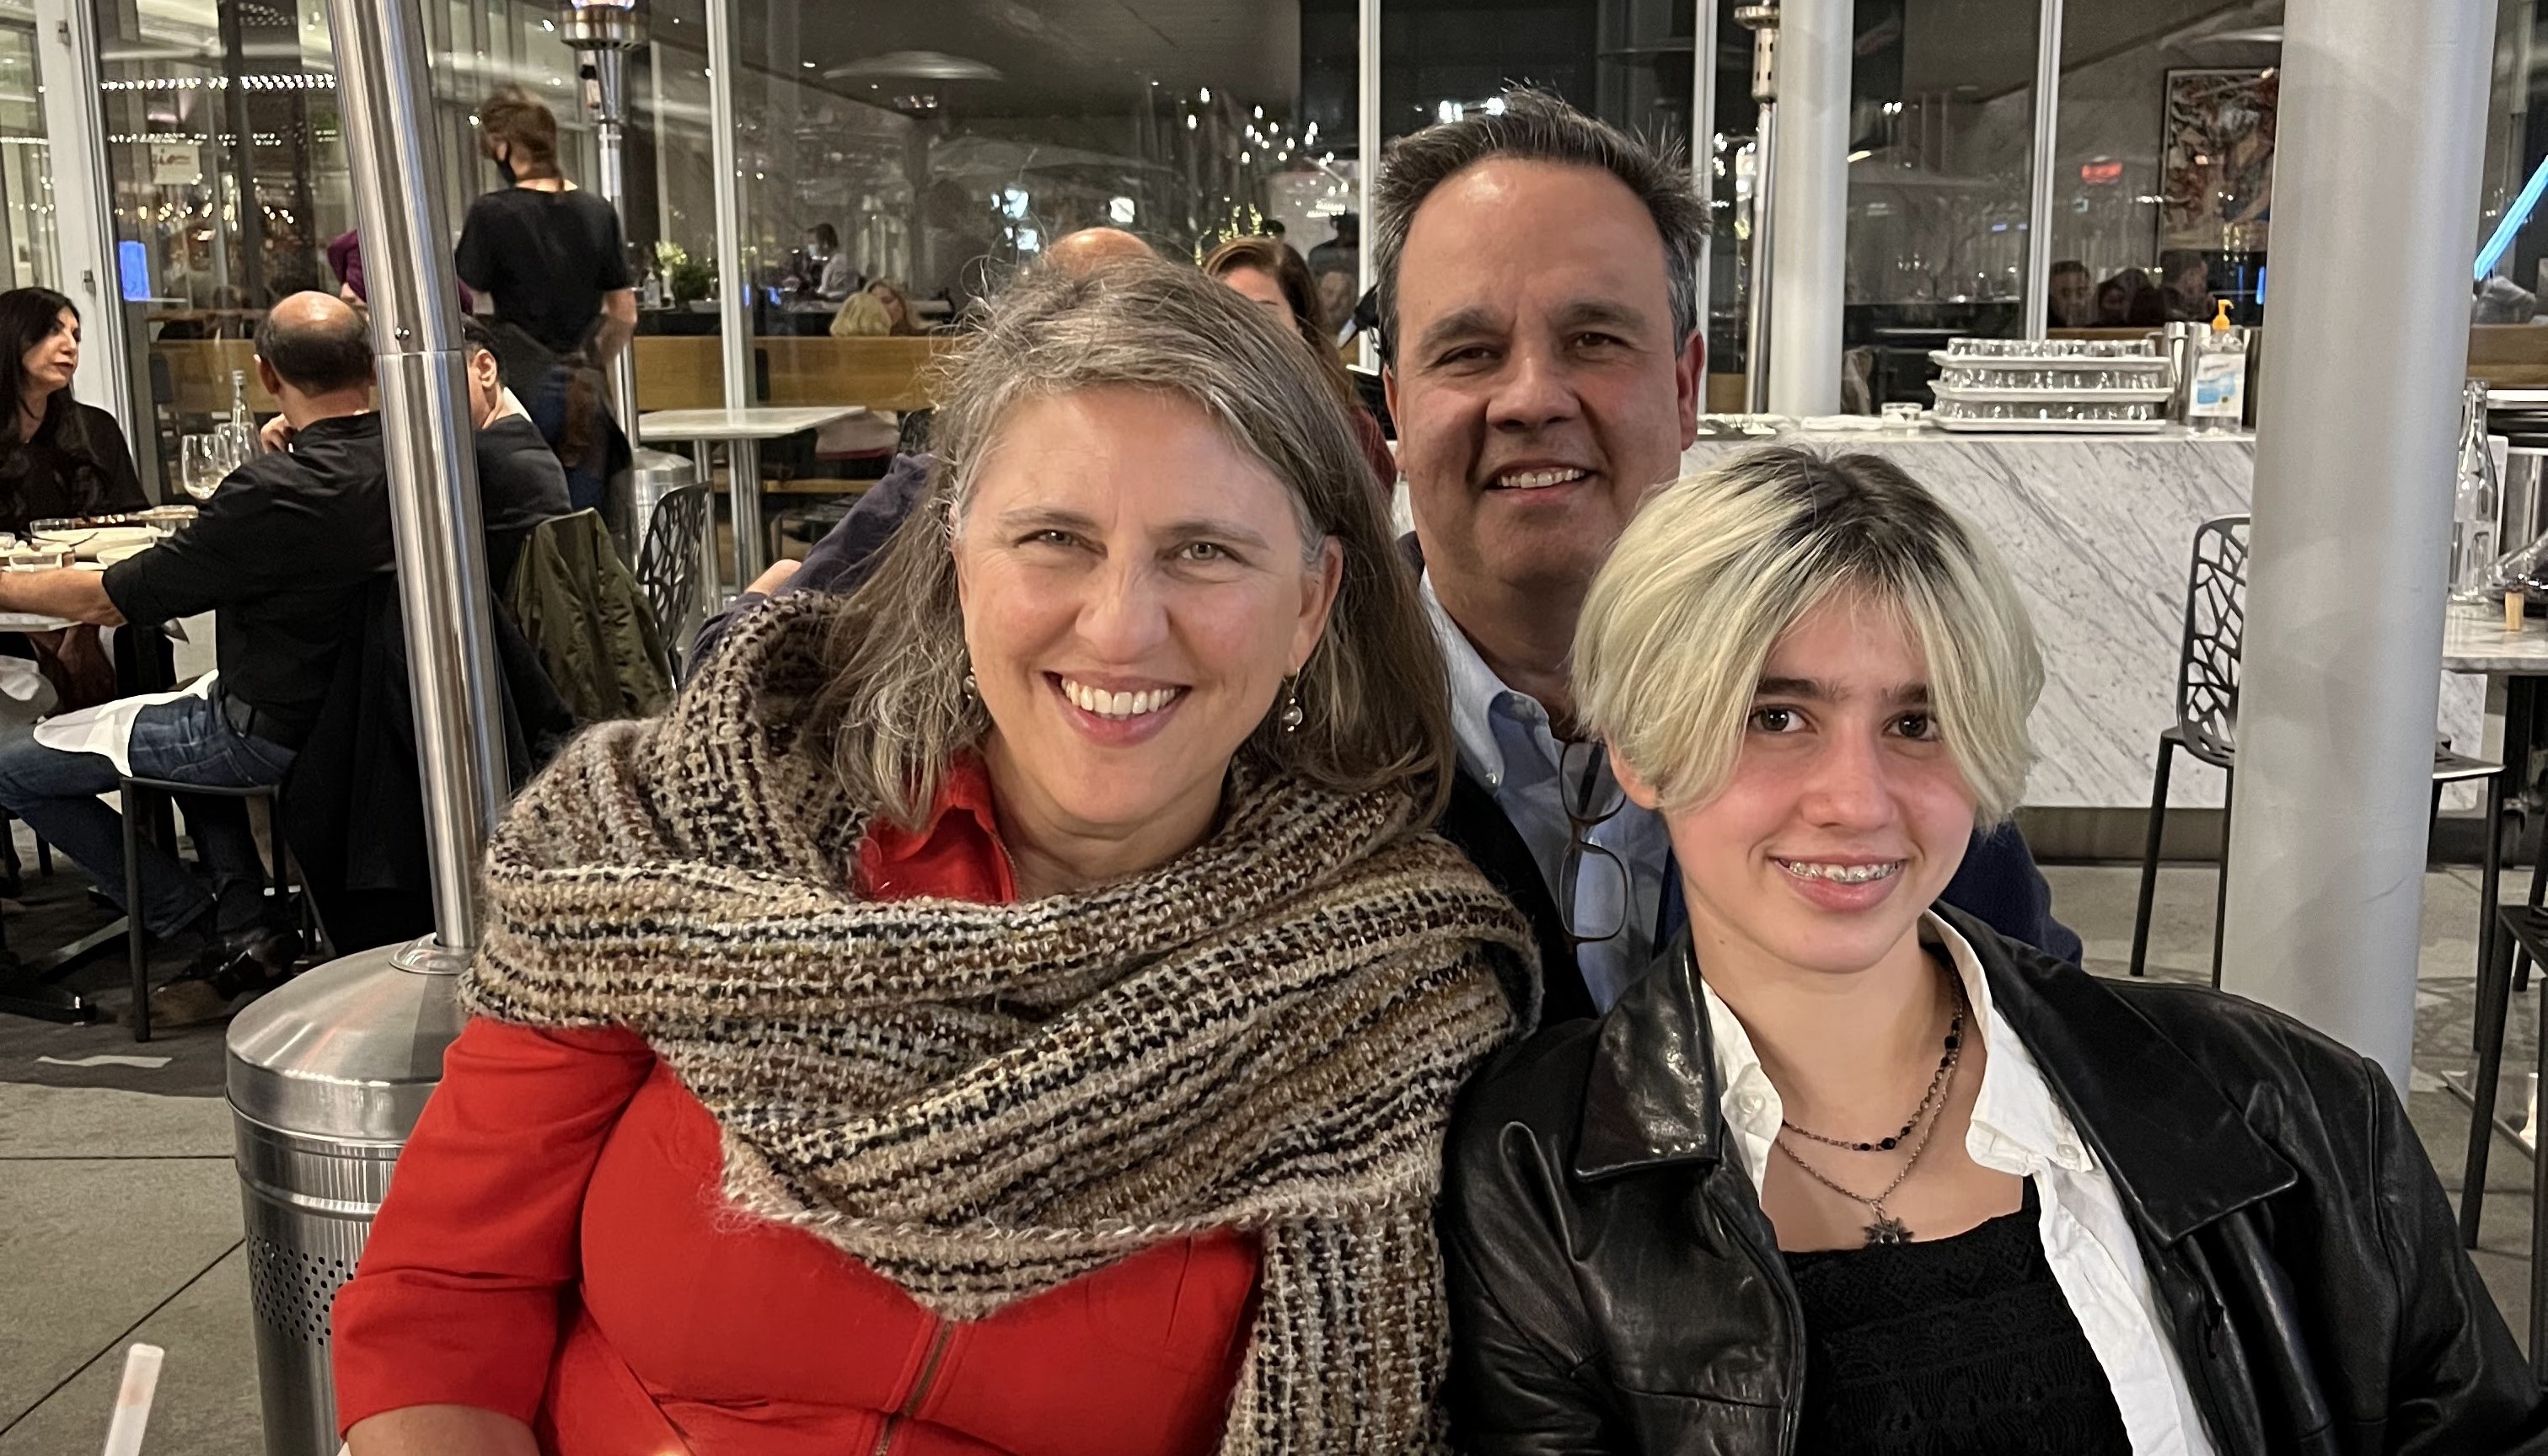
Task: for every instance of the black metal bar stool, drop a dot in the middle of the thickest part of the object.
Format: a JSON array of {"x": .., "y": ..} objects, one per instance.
[
  {"x": 137, "y": 940},
  {"x": 2207, "y": 729}
]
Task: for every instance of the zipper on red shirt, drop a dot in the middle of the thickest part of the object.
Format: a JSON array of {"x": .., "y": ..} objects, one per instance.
[{"x": 944, "y": 1335}]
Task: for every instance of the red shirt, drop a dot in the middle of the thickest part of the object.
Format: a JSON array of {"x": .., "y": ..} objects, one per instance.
[{"x": 555, "y": 1246}]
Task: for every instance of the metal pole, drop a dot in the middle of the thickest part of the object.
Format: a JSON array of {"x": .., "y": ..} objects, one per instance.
[
  {"x": 1810, "y": 190},
  {"x": 603, "y": 32},
  {"x": 2038, "y": 307},
  {"x": 734, "y": 292},
  {"x": 84, "y": 207},
  {"x": 1763, "y": 21},
  {"x": 252, "y": 216},
  {"x": 610, "y": 86},
  {"x": 393, "y": 152},
  {"x": 1367, "y": 169},
  {"x": 2383, "y": 128},
  {"x": 1702, "y": 162}
]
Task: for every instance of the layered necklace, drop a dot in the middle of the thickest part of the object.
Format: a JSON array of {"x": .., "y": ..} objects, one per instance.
[{"x": 1916, "y": 1131}]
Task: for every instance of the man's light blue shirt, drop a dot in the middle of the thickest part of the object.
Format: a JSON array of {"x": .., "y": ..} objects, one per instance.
[{"x": 1509, "y": 747}]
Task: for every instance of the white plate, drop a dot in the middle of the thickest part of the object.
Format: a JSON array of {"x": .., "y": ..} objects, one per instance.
[
  {"x": 2051, "y": 426},
  {"x": 94, "y": 542},
  {"x": 110, "y": 555}
]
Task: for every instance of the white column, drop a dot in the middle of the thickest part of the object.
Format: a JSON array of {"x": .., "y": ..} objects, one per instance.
[
  {"x": 2383, "y": 126},
  {"x": 84, "y": 206},
  {"x": 1367, "y": 165},
  {"x": 1810, "y": 200},
  {"x": 2039, "y": 206},
  {"x": 1702, "y": 157},
  {"x": 734, "y": 295}
]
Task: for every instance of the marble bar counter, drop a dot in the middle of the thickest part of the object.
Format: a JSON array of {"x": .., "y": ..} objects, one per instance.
[{"x": 2097, "y": 529}]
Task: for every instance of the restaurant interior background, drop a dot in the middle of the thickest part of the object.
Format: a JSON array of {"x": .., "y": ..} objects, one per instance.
[{"x": 947, "y": 143}]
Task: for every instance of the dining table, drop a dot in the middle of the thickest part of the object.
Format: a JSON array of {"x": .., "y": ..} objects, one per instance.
[{"x": 741, "y": 431}]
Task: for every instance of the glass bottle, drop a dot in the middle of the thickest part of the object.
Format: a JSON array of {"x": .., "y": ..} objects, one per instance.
[{"x": 2476, "y": 502}]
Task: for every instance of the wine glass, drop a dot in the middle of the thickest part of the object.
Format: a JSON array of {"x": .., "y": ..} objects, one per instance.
[{"x": 201, "y": 465}]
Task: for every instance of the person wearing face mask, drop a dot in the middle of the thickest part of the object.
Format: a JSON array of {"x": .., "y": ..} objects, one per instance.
[
  {"x": 1012, "y": 1009},
  {"x": 1845, "y": 1172},
  {"x": 60, "y": 457},
  {"x": 553, "y": 262},
  {"x": 822, "y": 269}
]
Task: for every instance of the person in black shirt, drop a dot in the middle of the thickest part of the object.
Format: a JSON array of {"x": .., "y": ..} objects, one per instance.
[
  {"x": 552, "y": 259},
  {"x": 281, "y": 555},
  {"x": 59, "y": 457},
  {"x": 520, "y": 481}
]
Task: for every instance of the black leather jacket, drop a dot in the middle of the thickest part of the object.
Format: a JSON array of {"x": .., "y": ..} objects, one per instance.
[{"x": 1616, "y": 1288}]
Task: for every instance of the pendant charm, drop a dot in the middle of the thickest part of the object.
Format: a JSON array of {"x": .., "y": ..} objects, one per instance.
[{"x": 1886, "y": 1229}]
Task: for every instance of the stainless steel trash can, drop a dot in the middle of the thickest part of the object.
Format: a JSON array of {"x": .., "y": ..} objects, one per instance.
[
  {"x": 652, "y": 473},
  {"x": 326, "y": 1075}
]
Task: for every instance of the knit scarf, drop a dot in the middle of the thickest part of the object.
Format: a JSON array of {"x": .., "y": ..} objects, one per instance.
[{"x": 981, "y": 1102}]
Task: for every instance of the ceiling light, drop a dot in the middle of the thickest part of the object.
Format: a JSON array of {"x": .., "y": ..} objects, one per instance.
[{"x": 916, "y": 65}]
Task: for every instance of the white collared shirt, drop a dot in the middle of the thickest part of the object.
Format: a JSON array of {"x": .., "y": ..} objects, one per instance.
[
  {"x": 1507, "y": 743},
  {"x": 2019, "y": 1129}
]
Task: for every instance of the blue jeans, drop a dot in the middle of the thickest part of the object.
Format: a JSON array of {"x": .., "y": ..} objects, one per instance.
[{"x": 187, "y": 741}]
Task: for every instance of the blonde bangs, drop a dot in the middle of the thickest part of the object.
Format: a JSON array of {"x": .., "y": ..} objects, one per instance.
[{"x": 1718, "y": 567}]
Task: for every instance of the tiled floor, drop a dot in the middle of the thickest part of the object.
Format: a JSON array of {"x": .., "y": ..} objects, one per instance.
[{"x": 120, "y": 1215}]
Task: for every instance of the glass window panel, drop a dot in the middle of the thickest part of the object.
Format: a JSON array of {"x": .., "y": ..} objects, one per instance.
[
  {"x": 2162, "y": 173},
  {"x": 1626, "y": 62},
  {"x": 203, "y": 93},
  {"x": 901, "y": 162},
  {"x": 1941, "y": 127},
  {"x": 2506, "y": 347},
  {"x": 27, "y": 248}
]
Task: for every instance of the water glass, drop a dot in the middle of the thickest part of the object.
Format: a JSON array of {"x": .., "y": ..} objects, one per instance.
[{"x": 200, "y": 464}]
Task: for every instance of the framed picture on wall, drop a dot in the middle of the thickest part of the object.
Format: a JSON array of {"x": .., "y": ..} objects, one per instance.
[{"x": 2215, "y": 159}]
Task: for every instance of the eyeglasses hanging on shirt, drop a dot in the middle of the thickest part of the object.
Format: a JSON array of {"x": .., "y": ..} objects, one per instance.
[{"x": 1591, "y": 797}]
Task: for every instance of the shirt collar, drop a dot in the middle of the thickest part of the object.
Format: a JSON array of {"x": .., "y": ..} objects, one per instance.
[
  {"x": 1477, "y": 694},
  {"x": 962, "y": 813},
  {"x": 2016, "y": 1123},
  {"x": 363, "y": 422}
]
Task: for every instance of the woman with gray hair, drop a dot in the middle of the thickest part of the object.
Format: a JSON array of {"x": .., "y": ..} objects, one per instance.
[
  {"x": 1014, "y": 1009},
  {"x": 1849, "y": 1172}
]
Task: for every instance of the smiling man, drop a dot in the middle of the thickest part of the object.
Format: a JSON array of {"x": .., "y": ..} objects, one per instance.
[{"x": 1544, "y": 361}]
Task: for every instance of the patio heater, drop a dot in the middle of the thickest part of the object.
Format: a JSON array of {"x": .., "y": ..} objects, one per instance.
[
  {"x": 602, "y": 33},
  {"x": 1763, "y": 21},
  {"x": 328, "y": 1073}
]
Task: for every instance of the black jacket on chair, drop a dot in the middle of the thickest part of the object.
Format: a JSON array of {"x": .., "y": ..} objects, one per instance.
[
  {"x": 353, "y": 800},
  {"x": 1617, "y": 1289}
]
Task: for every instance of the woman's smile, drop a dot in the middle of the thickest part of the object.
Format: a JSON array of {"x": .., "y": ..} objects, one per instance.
[{"x": 1114, "y": 714}]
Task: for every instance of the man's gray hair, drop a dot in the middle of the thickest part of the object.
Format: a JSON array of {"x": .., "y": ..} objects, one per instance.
[{"x": 1534, "y": 125}]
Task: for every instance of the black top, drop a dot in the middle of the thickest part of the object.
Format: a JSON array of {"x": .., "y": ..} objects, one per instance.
[
  {"x": 281, "y": 552},
  {"x": 520, "y": 485},
  {"x": 1951, "y": 1345},
  {"x": 546, "y": 258},
  {"x": 76, "y": 465},
  {"x": 520, "y": 481}
]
